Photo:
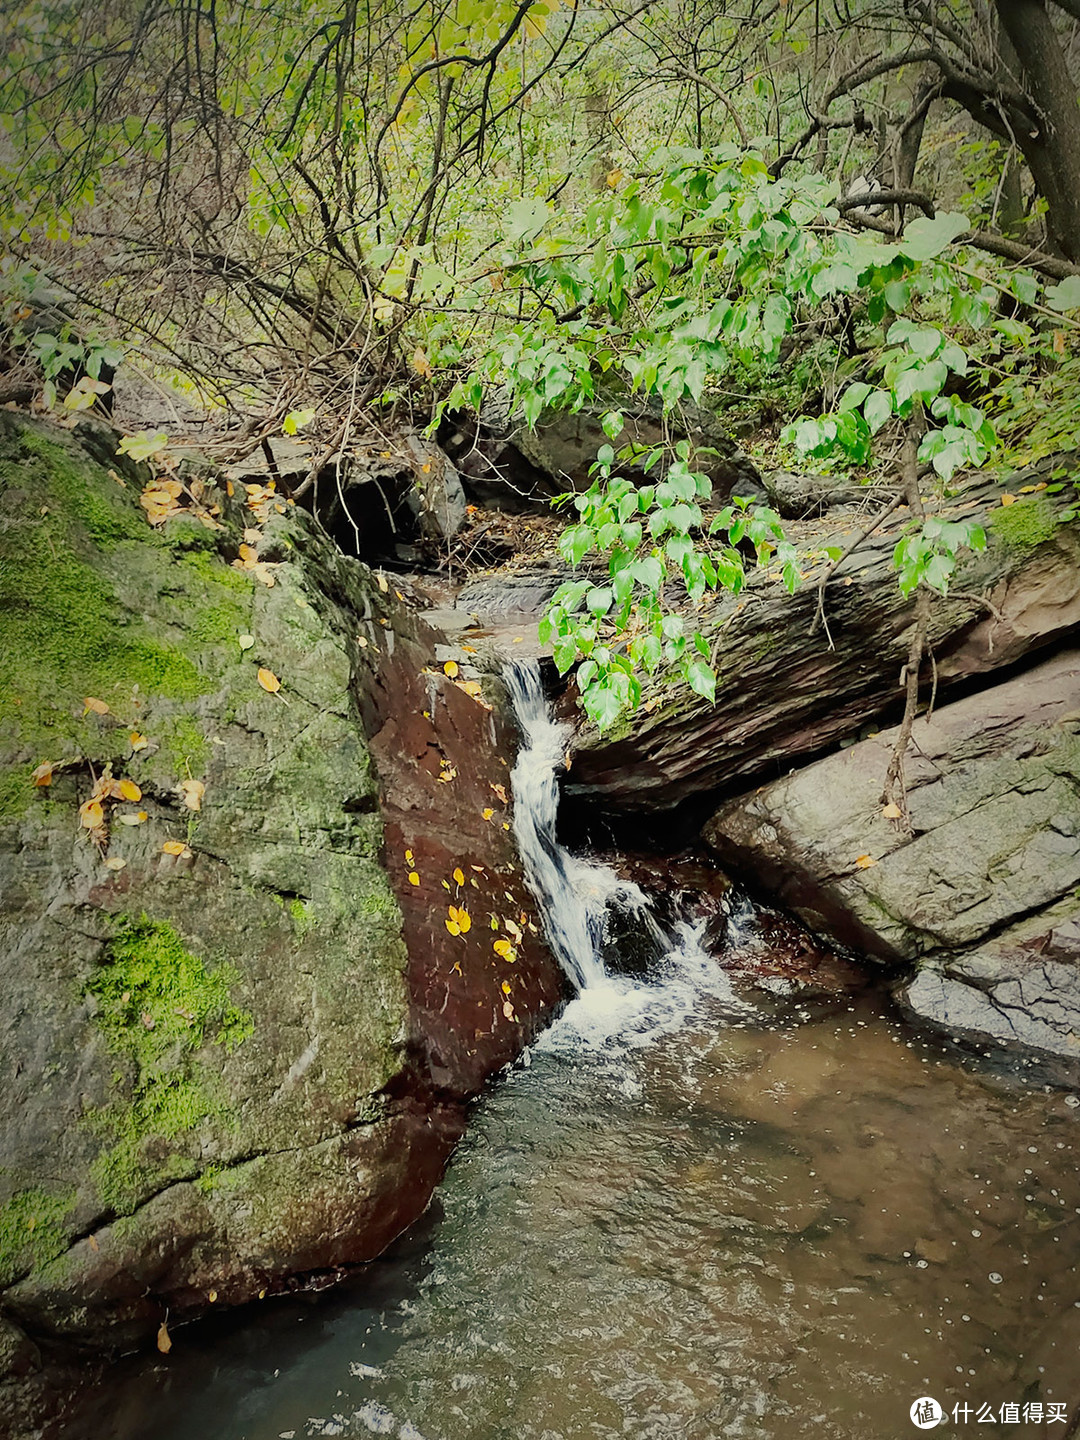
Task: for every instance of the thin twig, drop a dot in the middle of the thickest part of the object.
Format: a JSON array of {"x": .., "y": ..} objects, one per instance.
[{"x": 819, "y": 620}]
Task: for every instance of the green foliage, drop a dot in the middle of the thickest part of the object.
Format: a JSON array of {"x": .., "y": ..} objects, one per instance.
[
  {"x": 158, "y": 1006},
  {"x": 32, "y": 1231},
  {"x": 622, "y": 627}
]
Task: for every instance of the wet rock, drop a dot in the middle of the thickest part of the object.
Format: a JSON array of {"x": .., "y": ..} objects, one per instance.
[
  {"x": 243, "y": 1058},
  {"x": 785, "y": 696},
  {"x": 982, "y": 896}
]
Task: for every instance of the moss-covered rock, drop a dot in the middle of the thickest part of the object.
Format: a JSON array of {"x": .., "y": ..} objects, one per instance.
[{"x": 214, "y": 1070}]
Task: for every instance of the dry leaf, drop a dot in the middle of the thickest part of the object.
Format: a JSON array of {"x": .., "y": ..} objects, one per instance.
[
  {"x": 488, "y": 814},
  {"x": 1008, "y": 499},
  {"x": 138, "y": 742},
  {"x": 508, "y": 1010},
  {"x": 863, "y": 862},
  {"x": 191, "y": 793},
  {"x": 459, "y": 876},
  {"x": 269, "y": 681},
  {"x": 97, "y": 706},
  {"x": 892, "y": 812},
  {"x": 139, "y": 818},
  {"x": 383, "y": 586},
  {"x": 176, "y": 847},
  {"x": 451, "y": 668},
  {"x": 246, "y": 642},
  {"x": 43, "y": 774},
  {"x": 115, "y": 862},
  {"x": 452, "y": 926},
  {"x": 500, "y": 792},
  {"x": 91, "y": 815},
  {"x": 164, "y": 1341},
  {"x": 128, "y": 790},
  {"x": 421, "y": 364}
]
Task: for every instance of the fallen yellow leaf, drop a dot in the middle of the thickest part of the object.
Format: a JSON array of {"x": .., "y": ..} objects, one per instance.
[
  {"x": 863, "y": 862},
  {"x": 1008, "y": 499},
  {"x": 892, "y": 812},
  {"x": 139, "y": 818},
  {"x": 115, "y": 862},
  {"x": 451, "y": 668},
  {"x": 98, "y": 706},
  {"x": 43, "y": 774},
  {"x": 192, "y": 792},
  {"x": 269, "y": 681},
  {"x": 175, "y": 847},
  {"x": 459, "y": 876},
  {"x": 452, "y": 926},
  {"x": 164, "y": 1340},
  {"x": 91, "y": 815},
  {"x": 129, "y": 790},
  {"x": 138, "y": 742},
  {"x": 414, "y": 878}
]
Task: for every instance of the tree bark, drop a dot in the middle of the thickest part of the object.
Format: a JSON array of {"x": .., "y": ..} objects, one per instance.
[{"x": 1051, "y": 145}]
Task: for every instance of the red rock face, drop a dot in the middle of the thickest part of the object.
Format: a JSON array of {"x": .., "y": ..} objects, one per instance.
[{"x": 481, "y": 978}]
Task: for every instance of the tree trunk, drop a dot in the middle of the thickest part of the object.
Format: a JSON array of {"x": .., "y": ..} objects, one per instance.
[{"x": 1052, "y": 146}]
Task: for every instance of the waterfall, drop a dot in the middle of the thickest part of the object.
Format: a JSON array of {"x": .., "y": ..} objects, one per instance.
[{"x": 574, "y": 895}]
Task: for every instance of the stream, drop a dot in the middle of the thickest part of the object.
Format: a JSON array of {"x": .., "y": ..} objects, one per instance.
[{"x": 680, "y": 1215}]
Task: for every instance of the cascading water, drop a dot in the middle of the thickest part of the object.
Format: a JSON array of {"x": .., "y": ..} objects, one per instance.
[{"x": 576, "y": 897}]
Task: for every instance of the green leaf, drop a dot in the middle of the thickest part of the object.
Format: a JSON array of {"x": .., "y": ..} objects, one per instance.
[
  {"x": 701, "y": 678},
  {"x": 525, "y": 220},
  {"x": 923, "y": 239},
  {"x": 143, "y": 445},
  {"x": 1065, "y": 295},
  {"x": 878, "y": 409}
]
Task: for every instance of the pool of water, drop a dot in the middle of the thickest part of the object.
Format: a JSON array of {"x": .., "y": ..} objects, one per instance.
[{"x": 721, "y": 1230}]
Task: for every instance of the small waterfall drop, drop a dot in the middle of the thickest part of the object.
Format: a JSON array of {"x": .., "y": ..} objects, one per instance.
[
  {"x": 574, "y": 894},
  {"x": 575, "y": 897}
]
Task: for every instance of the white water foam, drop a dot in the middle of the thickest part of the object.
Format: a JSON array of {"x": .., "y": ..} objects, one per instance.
[{"x": 611, "y": 1012}]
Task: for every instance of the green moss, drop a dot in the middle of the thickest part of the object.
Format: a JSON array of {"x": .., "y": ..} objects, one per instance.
[
  {"x": 106, "y": 515},
  {"x": 32, "y": 1231},
  {"x": 186, "y": 746},
  {"x": 158, "y": 1005},
  {"x": 208, "y": 567},
  {"x": 302, "y": 916},
  {"x": 218, "y": 624},
  {"x": 1025, "y": 524},
  {"x": 63, "y": 632}
]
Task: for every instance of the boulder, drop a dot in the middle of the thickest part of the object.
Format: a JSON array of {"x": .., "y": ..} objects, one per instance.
[
  {"x": 981, "y": 900},
  {"x": 786, "y": 694},
  {"x": 237, "y": 1035}
]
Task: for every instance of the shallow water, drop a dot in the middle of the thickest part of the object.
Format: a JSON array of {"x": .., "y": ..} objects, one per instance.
[{"x": 730, "y": 1231}]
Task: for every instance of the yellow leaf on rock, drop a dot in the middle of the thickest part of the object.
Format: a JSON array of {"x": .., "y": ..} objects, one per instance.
[
  {"x": 43, "y": 774},
  {"x": 129, "y": 790},
  {"x": 421, "y": 364},
  {"x": 488, "y": 814},
  {"x": 863, "y": 862},
  {"x": 459, "y": 876},
  {"x": 175, "y": 847},
  {"x": 192, "y": 792},
  {"x": 451, "y": 668},
  {"x": 139, "y": 818},
  {"x": 1008, "y": 499},
  {"x": 115, "y": 862},
  {"x": 246, "y": 641},
  {"x": 892, "y": 812},
  {"x": 414, "y": 878},
  {"x": 138, "y": 742},
  {"x": 91, "y": 815},
  {"x": 164, "y": 1340},
  {"x": 452, "y": 926},
  {"x": 97, "y": 706},
  {"x": 269, "y": 681},
  {"x": 383, "y": 585}
]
